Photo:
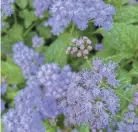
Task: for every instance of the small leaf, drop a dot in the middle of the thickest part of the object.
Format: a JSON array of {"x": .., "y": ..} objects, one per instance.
[
  {"x": 122, "y": 38},
  {"x": 44, "y": 31},
  {"x": 28, "y": 16},
  {"x": 127, "y": 14},
  {"x": 22, "y": 3},
  {"x": 134, "y": 70},
  {"x": 49, "y": 128},
  {"x": 56, "y": 52},
  {"x": 84, "y": 128},
  {"x": 11, "y": 71}
]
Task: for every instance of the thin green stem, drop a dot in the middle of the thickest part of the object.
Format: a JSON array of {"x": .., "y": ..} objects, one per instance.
[
  {"x": 118, "y": 93},
  {"x": 88, "y": 62},
  {"x": 15, "y": 18},
  {"x": 72, "y": 29},
  {"x": 29, "y": 29},
  {"x": 33, "y": 25},
  {"x": 123, "y": 97}
]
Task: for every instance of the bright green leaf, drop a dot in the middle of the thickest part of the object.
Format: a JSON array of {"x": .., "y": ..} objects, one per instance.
[
  {"x": 127, "y": 14},
  {"x": 14, "y": 35},
  {"x": 49, "y": 127},
  {"x": 44, "y": 31},
  {"x": 134, "y": 70},
  {"x": 56, "y": 52},
  {"x": 22, "y": 3},
  {"x": 11, "y": 71},
  {"x": 122, "y": 38},
  {"x": 28, "y": 16},
  {"x": 84, "y": 128}
]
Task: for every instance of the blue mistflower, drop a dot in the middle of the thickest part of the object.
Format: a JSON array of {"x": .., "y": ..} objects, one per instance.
[
  {"x": 55, "y": 80},
  {"x": 37, "y": 41},
  {"x": 99, "y": 47},
  {"x": 7, "y": 7},
  {"x": 27, "y": 59},
  {"x": 41, "y": 6},
  {"x": 88, "y": 102},
  {"x": 79, "y": 12},
  {"x": 31, "y": 108},
  {"x": 129, "y": 123},
  {"x": 27, "y": 121}
]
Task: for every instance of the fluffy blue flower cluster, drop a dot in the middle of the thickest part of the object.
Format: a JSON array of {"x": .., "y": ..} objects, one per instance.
[
  {"x": 37, "y": 41},
  {"x": 41, "y": 7},
  {"x": 129, "y": 123},
  {"x": 88, "y": 100},
  {"x": 54, "y": 80},
  {"x": 77, "y": 11},
  {"x": 27, "y": 59},
  {"x": 31, "y": 108},
  {"x": 84, "y": 97},
  {"x": 38, "y": 100},
  {"x": 7, "y": 7}
]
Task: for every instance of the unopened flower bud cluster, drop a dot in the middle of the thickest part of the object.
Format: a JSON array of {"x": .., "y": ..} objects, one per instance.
[{"x": 81, "y": 47}]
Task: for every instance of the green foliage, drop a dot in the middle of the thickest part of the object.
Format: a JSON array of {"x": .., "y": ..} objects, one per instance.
[
  {"x": 14, "y": 35},
  {"x": 127, "y": 14},
  {"x": 120, "y": 45},
  {"x": 84, "y": 128},
  {"x": 10, "y": 95},
  {"x": 56, "y": 52},
  {"x": 49, "y": 127},
  {"x": 44, "y": 32},
  {"x": 11, "y": 71},
  {"x": 122, "y": 38},
  {"x": 22, "y": 3},
  {"x": 117, "y": 3},
  {"x": 28, "y": 16}
]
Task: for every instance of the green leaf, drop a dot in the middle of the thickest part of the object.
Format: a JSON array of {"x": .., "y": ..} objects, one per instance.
[
  {"x": 44, "y": 31},
  {"x": 122, "y": 38},
  {"x": 22, "y": 3},
  {"x": 56, "y": 52},
  {"x": 14, "y": 35},
  {"x": 127, "y": 14},
  {"x": 49, "y": 127},
  {"x": 28, "y": 38},
  {"x": 117, "y": 3},
  {"x": 84, "y": 128},
  {"x": 134, "y": 70},
  {"x": 28, "y": 16},
  {"x": 10, "y": 94},
  {"x": 120, "y": 56},
  {"x": 11, "y": 71}
]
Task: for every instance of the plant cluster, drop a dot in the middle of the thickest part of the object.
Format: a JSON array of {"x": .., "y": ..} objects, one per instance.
[{"x": 69, "y": 66}]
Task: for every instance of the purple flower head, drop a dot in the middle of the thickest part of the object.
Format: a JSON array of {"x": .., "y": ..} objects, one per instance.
[
  {"x": 79, "y": 12},
  {"x": 99, "y": 47},
  {"x": 7, "y": 7},
  {"x": 27, "y": 59},
  {"x": 2, "y": 105},
  {"x": 129, "y": 123},
  {"x": 28, "y": 121},
  {"x": 87, "y": 102},
  {"x": 3, "y": 88},
  {"x": 55, "y": 80},
  {"x": 106, "y": 71},
  {"x": 37, "y": 41}
]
